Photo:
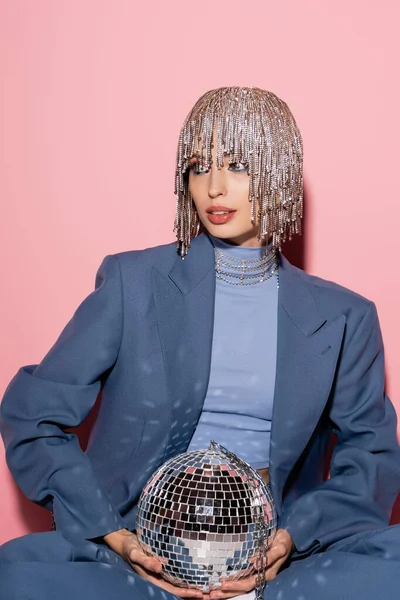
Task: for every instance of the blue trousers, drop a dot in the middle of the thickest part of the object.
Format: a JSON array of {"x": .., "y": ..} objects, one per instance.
[{"x": 43, "y": 566}]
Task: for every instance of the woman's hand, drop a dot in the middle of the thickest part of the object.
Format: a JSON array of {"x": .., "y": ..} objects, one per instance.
[
  {"x": 126, "y": 544},
  {"x": 279, "y": 552}
]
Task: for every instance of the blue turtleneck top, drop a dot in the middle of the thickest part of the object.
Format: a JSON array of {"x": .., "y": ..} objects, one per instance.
[{"x": 237, "y": 410}]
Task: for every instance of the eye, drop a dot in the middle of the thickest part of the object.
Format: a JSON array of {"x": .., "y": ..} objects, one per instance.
[
  {"x": 238, "y": 167},
  {"x": 198, "y": 167}
]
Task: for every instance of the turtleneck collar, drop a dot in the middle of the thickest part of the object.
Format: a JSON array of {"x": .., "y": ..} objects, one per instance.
[{"x": 241, "y": 252}]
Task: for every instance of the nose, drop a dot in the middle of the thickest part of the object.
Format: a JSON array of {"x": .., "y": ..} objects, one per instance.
[{"x": 216, "y": 182}]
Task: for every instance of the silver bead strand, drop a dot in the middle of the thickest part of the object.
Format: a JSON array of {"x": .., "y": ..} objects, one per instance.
[{"x": 249, "y": 272}]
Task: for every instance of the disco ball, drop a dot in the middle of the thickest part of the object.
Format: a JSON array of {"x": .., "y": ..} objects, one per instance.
[{"x": 206, "y": 514}]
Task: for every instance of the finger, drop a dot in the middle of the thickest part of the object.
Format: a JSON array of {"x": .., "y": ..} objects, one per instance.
[
  {"x": 138, "y": 553},
  {"x": 226, "y": 595},
  {"x": 162, "y": 583},
  {"x": 277, "y": 552},
  {"x": 181, "y": 592},
  {"x": 241, "y": 587},
  {"x": 272, "y": 572},
  {"x": 150, "y": 563}
]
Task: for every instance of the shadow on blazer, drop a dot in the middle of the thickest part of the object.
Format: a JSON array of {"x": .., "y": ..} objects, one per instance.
[{"x": 143, "y": 337}]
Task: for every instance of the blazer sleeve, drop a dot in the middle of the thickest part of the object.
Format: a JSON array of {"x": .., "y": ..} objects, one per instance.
[
  {"x": 42, "y": 401},
  {"x": 365, "y": 464}
]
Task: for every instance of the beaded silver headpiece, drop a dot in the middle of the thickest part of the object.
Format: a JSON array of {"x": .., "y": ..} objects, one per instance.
[{"x": 253, "y": 127}]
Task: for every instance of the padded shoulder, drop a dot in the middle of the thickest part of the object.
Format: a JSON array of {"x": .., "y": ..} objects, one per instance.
[{"x": 332, "y": 297}]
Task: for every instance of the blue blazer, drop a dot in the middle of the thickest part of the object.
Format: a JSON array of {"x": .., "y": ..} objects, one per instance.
[{"x": 143, "y": 338}]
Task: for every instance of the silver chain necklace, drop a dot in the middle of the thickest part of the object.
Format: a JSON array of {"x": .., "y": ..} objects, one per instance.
[{"x": 246, "y": 272}]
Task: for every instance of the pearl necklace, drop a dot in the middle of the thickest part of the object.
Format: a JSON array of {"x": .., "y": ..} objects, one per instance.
[{"x": 248, "y": 272}]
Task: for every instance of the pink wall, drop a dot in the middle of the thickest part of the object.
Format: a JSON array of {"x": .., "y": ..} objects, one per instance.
[{"x": 93, "y": 93}]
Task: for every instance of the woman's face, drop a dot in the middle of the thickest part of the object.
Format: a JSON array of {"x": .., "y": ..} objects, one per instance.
[{"x": 217, "y": 191}]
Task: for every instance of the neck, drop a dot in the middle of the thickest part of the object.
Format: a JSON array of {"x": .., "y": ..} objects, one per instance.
[
  {"x": 252, "y": 243},
  {"x": 243, "y": 252},
  {"x": 246, "y": 240}
]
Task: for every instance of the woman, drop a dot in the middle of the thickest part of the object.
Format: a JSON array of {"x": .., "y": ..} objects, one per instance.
[{"x": 224, "y": 338}]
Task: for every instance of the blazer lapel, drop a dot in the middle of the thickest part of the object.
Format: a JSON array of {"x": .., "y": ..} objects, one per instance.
[
  {"x": 184, "y": 301},
  {"x": 307, "y": 353}
]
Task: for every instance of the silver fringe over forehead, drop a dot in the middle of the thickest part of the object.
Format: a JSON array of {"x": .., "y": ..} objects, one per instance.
[{"x": 253, "y": 127}]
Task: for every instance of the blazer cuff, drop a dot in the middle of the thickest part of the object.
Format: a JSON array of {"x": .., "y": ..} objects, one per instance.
[{"x": 304, "y": 545}]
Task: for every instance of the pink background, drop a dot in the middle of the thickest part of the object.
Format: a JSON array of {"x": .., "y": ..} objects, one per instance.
[{"x": 93, "y": 93}]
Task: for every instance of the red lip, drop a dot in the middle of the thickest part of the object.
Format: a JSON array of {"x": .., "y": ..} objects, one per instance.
[
  {"x": 225, "y": 208},
  {"x": 220, "y": 219}
]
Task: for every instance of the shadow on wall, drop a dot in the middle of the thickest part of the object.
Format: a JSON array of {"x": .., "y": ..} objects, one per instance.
[
  {"x": 37, "y": 519},
  {"x": 395, "y": 520},
  {"x": 295, "y": 250}
]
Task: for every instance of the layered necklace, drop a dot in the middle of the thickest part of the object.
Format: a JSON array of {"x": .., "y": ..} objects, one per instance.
[{"x": 246, "y": 271}]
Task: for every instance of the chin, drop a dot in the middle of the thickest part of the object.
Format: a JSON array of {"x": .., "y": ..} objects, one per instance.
[{"x": 225, "y": 231}]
